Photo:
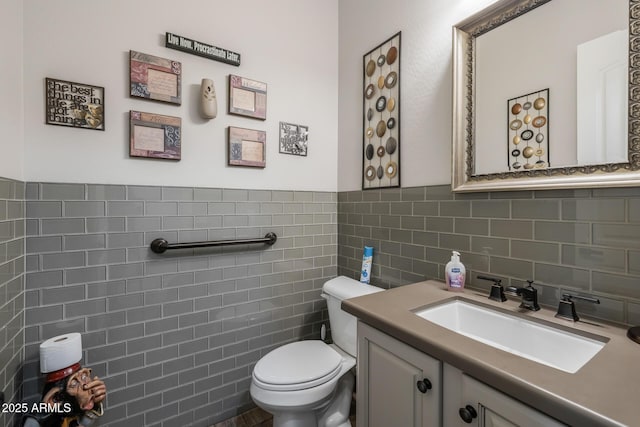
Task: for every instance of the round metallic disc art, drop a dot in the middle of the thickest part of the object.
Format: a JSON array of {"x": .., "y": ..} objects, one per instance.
[
  {"x": 391, "y": 104},
  {"x": 369, "y": 152},
  {"x": 369, "y": 132},
  {"x": 526, "y": 134},
  {"x": 371, "y": 68},
  {"x": 528, "y": 131},
  {"x": 392, "y": 55},
  {"x": 391, "y": 123},
  {"x": 516, "y": 108},
  {"x": 528, "y": 152},
  {"x": 539, "y": 121},
  {"x": 369, "y": 91},
  {"x": 391, "y": 145},
  {"x": 515, "y": 124},
  {"x": 381, "y": 115},
  {"x": 370, "y": 173},
  {"x": 391, "y": 80},
  {"x": 391, "y": 169}
]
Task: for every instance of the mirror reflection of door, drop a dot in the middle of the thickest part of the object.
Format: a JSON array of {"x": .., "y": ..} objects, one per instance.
[{"x": 602, "y": 99}]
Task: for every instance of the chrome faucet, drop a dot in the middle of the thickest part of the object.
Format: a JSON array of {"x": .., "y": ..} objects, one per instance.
[{"x": 529, "y": 296}]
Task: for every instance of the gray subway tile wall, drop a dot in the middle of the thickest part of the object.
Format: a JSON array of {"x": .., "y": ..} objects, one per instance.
[
  {"x": 176, "y": 335},
  {"x": 581, "y": 241},
  {"x": 12, "y": 296}
]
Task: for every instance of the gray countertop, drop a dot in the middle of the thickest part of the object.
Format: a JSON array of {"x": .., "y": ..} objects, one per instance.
[{"x": 604, "y": 392}]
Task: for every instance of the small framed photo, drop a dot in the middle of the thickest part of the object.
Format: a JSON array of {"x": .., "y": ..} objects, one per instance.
[
  {"x": 155, "y": 78},
  {"x": 247, "y": 97},
  {"x": 74, "y": 104},
  {"x": 155, "y": 136},
  {"x": 247, "y": 147},
  {"x": 293, "y": 139}
]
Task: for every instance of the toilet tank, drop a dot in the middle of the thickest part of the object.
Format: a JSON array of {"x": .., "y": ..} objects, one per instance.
[{"x": 343, "y": 324}]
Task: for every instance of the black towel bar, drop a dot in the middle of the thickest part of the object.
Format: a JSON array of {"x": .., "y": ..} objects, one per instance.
[{"x": 160, "y": 245}]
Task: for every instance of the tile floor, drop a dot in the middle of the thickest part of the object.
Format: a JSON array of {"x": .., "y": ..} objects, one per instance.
[{"x": 258, "y": 418}]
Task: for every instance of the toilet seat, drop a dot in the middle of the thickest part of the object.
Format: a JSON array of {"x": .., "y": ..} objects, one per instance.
[{"x": 297, "y": 366}]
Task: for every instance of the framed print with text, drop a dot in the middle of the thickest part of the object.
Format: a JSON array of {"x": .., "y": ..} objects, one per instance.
[
  {"x": 247, "y": 147},
  {"x": 74, "y": 104},
  {"x": 247, "y": 97},
  {"x": 155, "y": 136},
  {"x": 152, "y": 77}
]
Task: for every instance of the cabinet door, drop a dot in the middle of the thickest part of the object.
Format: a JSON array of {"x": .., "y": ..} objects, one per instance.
[
  {"x": 397, "y": 384},
  {"x": 486, "y": 407}
]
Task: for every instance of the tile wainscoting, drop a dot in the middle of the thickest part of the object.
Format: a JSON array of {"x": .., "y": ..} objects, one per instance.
[
  {"x": 11, "y": 291},
  {"x": 585, "y": 242},
  {"x": 176, "y": 335}
]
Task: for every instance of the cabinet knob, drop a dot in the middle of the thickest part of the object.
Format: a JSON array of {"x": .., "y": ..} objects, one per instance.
[
  {"x": 424, "y": 385},
  {"x": 468, "y": 413}
]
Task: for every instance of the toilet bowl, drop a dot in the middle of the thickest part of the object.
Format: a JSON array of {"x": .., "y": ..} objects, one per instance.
[{"x": 310, "y": 383}]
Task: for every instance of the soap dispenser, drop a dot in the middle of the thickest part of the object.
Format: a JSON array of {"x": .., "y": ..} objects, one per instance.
[{"x": 454, "y": 273}]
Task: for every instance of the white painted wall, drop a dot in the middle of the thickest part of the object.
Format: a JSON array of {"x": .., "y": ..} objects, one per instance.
[
  {"x": 425, "y": 78},
  {"x": 289, "y": 44},
  {"x": 11, "y": 104}
]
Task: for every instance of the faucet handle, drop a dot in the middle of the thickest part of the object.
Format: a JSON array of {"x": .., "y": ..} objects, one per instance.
[
  {"x": 567, "y": 308},
  {"x": 497, "y": 291}
]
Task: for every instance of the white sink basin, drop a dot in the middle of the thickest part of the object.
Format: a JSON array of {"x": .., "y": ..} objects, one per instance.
[{"x": 527, "y": 338}]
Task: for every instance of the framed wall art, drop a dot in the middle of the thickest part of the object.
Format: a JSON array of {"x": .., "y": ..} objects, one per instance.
[
  {"x": 293, "y": 139},
  {"x": 155, "y": 136},
  {"x": 155, "y": 78},
  {"x": 246, "y": 147},
  {"x": 247, "y": 97},
  {"x": 528, "y": 131},
  {"x": 74, "y": 104},
  {"x": 381, "y": 115}
]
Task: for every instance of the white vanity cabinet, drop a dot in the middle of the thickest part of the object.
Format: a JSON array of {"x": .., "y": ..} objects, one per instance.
[
  {"x": 469, "y": 402},
  {"x": 397, "y": 384}
]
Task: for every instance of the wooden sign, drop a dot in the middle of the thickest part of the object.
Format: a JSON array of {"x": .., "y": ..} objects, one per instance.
[{"x": 174, "y": 41}]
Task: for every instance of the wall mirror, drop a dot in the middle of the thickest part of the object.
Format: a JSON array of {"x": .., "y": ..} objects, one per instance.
[{"x": 546, "y": 94}]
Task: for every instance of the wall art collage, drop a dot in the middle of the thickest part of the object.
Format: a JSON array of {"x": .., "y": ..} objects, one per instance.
[{"x": 158, "y": 136}]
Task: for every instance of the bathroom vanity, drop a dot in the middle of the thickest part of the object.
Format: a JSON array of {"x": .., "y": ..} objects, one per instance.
[{"x": 413, "y": 372}]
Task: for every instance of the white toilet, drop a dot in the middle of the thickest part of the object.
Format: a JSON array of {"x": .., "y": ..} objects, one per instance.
[{"x": 310, "y": 383}]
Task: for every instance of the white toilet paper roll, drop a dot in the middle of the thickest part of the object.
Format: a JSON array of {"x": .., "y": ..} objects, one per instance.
[{"x": 60, "y": 352}]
